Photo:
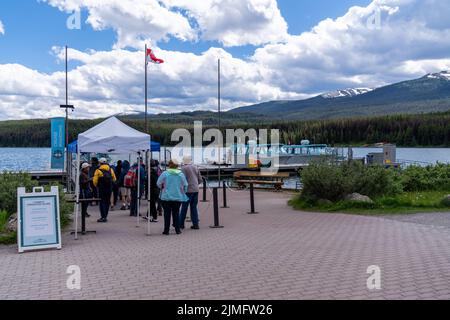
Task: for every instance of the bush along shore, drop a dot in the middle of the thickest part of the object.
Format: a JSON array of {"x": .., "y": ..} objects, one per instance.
[
  {"x": 9, "y": 182},
  {"x": 356, "y": 188}
]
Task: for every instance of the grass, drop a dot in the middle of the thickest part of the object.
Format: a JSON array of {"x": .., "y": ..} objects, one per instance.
[{"x": 405, "y": 203}]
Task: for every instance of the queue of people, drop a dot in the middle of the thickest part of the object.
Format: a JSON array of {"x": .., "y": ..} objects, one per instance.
[{"x": 173, "y": 191}]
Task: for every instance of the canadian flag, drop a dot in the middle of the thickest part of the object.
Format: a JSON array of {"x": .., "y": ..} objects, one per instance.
[{"x": 152, "y": 58}]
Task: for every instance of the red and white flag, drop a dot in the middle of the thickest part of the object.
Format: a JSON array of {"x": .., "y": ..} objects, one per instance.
[{"x": 152, "y": 58}]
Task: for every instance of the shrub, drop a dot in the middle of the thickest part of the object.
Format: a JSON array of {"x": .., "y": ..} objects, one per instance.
[
  {"x": 9, "y": 182},
  {"x": 431, "y": 178},
  {"x": 446, "y": 202},
  {"x": 323, "y": 180},
  {"x": 4, "y": 216}
]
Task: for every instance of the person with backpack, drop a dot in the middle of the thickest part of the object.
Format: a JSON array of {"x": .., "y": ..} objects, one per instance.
[
  {"x": 125, "y": 192},
  {"x": 115, "y": 195},
  {"x": 104, "y": 178},
  {"x": 131, "y": 181},
  {"x": 173, "y": 185},
  {"x": 94, "y": 166}
]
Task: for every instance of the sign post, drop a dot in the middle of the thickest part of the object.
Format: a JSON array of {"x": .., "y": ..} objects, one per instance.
[{"x": 39, "y": 223}]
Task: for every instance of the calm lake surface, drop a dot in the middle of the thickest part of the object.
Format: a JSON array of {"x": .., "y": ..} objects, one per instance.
[{"x": 38, "y": 159}]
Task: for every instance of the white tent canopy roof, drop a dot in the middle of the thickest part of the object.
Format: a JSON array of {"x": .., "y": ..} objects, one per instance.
[{"x": 114, "y": 137}]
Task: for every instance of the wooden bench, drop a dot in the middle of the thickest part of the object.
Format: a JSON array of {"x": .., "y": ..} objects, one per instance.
[{"x": 244, "y": 178}]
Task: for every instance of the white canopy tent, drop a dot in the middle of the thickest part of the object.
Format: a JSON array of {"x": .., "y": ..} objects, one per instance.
[{"x": 112, "y": 136}]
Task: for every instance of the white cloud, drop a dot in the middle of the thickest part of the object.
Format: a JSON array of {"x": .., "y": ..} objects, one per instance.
[
  {"x": 236, "y": 22},
  {"x": 2, "y": 29},
  {"x": 413, "y": 39},
  {"x": 345, "y": 52},
  {"x": 135, "y": 21},
  {"x": 232, "y": 22},
  {"x": 111, "y": 82}
]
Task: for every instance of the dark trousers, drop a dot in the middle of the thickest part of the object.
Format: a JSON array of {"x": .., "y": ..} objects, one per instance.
[
  {"x": 153, "y": 211},
  {"x": 133, "y": 203},
  {"x": 171, "y": 210},
  {"x": 105, "y": 202},
  {"x": 84, "y": 194},
  {"x": 115, "y": 193}
]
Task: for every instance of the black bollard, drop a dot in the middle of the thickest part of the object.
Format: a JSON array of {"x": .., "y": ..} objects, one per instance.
[
  {"x": 204, "y": 190},
  {"x": 216, "y": 209},
  {"x": 225, "y": 206},
  {"x": 252, "y": 200}
]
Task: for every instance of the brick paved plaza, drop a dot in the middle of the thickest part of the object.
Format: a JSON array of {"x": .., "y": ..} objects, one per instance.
[{"x": 278, "y": 254}]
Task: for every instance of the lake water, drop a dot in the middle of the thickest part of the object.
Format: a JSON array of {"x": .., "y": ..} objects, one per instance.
[{"x": 38, "y": 159}]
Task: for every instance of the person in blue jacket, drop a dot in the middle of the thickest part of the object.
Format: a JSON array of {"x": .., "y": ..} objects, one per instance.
[{"x": 173, "y": 185}]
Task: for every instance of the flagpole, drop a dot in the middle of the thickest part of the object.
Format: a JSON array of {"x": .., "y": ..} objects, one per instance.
[
  {"x": 219, "y": 111},
  {"x": 146, "y": 91},
  {"x": 67, "y": 126}
]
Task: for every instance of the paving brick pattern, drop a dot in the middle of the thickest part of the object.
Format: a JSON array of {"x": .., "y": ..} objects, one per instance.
[{"x": 277, "y": 254}]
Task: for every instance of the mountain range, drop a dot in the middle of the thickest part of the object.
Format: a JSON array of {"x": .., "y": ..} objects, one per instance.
[{"x": 430, "y": 93}]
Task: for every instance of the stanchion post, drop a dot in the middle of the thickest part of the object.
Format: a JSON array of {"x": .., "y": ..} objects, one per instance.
[
  {"x": 204, "y": 190},
  {"x": 216, "y": 209},
  {"x": 225, "y": 206},
  {"x": 252, "y": 200}
]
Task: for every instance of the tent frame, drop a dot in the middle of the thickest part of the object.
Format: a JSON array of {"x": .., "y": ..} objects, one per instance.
[{"x": 77, "y": 187}]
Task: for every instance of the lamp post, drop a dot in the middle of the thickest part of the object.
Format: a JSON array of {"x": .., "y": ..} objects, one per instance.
[{"x": 67, "y": 107}]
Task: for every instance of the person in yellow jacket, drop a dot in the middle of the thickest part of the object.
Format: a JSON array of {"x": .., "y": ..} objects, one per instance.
[{"x": 104, "y": 178}]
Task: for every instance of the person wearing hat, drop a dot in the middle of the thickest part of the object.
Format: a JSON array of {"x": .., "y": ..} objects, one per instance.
[
  {"x": 194, "y": 179},
  {"x": 173, "y": 185},
  {"x": 85, "y": 188},
  {"x": 104, "y": 178}
]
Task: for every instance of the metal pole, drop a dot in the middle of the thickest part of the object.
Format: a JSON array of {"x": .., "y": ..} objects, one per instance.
[
  {"x": 205, "y": 187},
  {"x": 219, "y": 111},
  {"x": 252, "y": 200},
  {"x": 225, "y": 206},
  {"x": 148, "y": 191},
  {"x": 77, "y": 191},
  {"x": 138, "y": 200},
  {"x": 67, "y": 124},
  {"x": 146, "y": 90},
  {"x": 216, "y": 210}
]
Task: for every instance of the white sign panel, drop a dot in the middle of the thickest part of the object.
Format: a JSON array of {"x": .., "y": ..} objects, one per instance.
[{"x": 38, "y": 221}]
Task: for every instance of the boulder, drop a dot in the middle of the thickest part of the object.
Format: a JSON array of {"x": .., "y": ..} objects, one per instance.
[
  {"x": 11, "y": 226},
  {"x": 446, "y": 201},
  {"x": 356, "y": 197}
]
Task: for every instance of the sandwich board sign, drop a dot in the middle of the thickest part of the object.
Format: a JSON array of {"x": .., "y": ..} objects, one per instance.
[{"x": 38, "y": 219}]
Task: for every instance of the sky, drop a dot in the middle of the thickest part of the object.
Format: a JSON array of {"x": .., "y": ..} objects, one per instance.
[{"x": 270, "y": 50}]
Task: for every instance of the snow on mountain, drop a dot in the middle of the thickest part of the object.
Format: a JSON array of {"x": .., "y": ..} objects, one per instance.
[
  {"x": 443, "y": 75},
  {"x": 351, "y": 92}
]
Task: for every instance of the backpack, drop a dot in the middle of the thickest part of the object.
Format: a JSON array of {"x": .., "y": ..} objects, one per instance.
[
  {"x": 105, "y": 182},
  {"x": 130, "y": 179}
]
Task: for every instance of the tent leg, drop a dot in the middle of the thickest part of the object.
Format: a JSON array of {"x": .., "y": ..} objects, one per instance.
[
  {"x": 77, "y": 191},
  {"x": 148, "y": 191},
  {"x": 138, "y": 190}
]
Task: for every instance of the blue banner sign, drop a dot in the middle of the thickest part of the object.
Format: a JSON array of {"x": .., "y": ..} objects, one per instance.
[{"x": 58, "y": 143}]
